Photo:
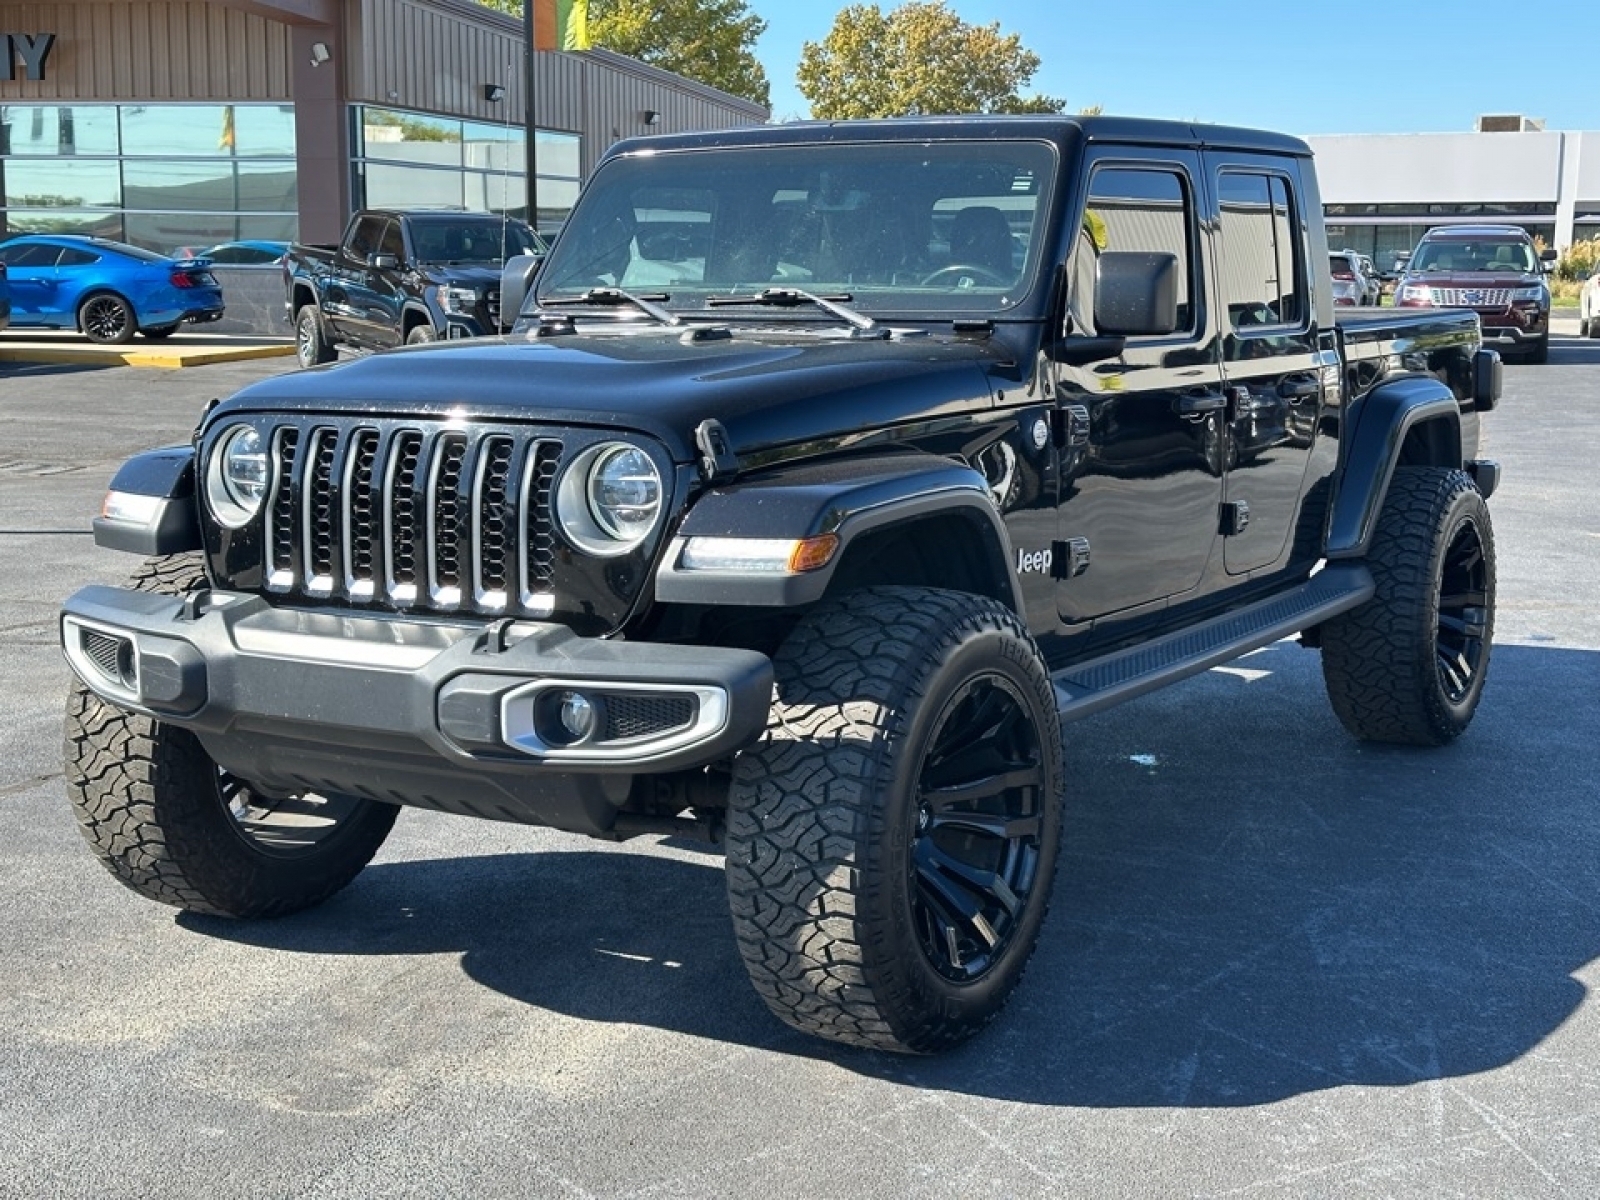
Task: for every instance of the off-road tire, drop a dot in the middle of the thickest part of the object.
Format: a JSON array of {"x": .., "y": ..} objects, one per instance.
[
  {"x": 311, "y": 345},
  {"x": 835, "y": 818},
  {"x": 419, "y": 335},
  {"x": 1409, "y": 665},
  {"x": 106, "y": 319},
  {"x": 150, "y": 802}
]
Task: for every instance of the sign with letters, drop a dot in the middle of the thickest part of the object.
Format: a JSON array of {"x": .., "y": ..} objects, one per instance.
[{"x": 30, "y": 49}]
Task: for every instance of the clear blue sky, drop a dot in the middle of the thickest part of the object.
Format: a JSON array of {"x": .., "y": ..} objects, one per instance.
[{"x": 1354, "y": 66}]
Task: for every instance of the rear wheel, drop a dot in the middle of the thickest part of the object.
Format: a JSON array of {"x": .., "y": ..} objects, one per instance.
[
  {"x": 1409, "y": 665},
  {"x": 107, "y": 319},
  {"x": 172, "y": 825},
  {"x": 892, "y": 837}
]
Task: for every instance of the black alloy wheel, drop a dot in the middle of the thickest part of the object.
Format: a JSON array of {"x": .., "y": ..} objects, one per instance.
[
  {"x": 107, "y": 319},
  {"x": 975, "y": 851},
  {"x": 1462, "y": 639}
]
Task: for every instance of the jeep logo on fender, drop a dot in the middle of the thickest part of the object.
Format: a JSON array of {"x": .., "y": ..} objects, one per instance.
[
  {"x": 31, "y": 48},
  {"x": 1035, "y": 562}
]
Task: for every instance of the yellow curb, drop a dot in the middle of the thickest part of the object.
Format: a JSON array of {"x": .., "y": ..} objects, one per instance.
[{"x": 174, "y": 357}]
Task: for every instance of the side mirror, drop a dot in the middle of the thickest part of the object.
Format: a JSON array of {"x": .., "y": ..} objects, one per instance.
[
  {"x": 1136, "y": 293},
  {"x": 384, "y": 262},
  {"x": 1548, "y": 255},
  {"x": 516, "y": 281}
]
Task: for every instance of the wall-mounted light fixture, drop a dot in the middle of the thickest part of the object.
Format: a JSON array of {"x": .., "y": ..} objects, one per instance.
[
  {"x": 494, "y": 92},
  {"x": 650, "y": 117},
  {"x": 319, "y": 53}
]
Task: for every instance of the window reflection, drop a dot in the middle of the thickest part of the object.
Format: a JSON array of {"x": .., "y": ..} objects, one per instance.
[
  {"x": 62, "y": 183},
  {"x": 408, "y": 137},
  {"x": 57, "y": 129},
  {"x": 207, "y": 130},
  {"x": 96, "y": 224}
]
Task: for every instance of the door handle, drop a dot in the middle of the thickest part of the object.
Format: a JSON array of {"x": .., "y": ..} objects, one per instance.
[
  {"x": 1299, "y": 388},
  {"x": 1198, "y": 402}
]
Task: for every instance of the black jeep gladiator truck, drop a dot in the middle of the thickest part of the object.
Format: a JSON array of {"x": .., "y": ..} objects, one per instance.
[
  {"x": 398, "y": 277},
  {"x": 830, "y": 470}
]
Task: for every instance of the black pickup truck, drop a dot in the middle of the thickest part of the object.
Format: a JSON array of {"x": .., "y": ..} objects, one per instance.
[
  {"x": 830, "y": 471},
  {"x": 401, "y": 276}
]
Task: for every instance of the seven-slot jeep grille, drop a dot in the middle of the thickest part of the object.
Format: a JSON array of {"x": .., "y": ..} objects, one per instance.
[{"x": 417, "y": 516}]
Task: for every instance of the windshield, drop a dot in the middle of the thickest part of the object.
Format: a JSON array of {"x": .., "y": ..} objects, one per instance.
[
  {"x": 950, "y": 226},
  {"x": 469, "y": 240},
  {"x": 1504, "y": 257}
]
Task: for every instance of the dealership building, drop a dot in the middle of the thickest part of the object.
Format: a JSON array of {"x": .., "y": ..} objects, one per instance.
[
  {"x": 1381, "y": 193},
  {"x": 170, "y": 123}
]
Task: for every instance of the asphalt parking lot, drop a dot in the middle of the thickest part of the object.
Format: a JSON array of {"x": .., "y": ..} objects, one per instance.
[{"x": 1279, "y": 963}]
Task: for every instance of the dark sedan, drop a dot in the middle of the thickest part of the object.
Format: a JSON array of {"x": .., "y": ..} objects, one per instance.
[{"x": 106, "y": 290}]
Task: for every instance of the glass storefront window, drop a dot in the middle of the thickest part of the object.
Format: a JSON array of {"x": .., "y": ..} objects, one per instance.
[
  {"x": 191, "y": 174},
  {"x": 393, "y": 187},
  {"x": 408, "y": 137},
  {"x": 57, "y": 129},
  {"x": 557, "y": 154},
  {"x": 208, "y": 130},
  {"x": 60, "y": 220},
  {"x": 62, "y": 183}
]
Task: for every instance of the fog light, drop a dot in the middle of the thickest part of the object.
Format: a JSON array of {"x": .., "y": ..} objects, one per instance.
[{"x": 577, "y": 716}]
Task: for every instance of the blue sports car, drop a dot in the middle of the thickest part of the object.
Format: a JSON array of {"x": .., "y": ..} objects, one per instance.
[{"x": 106, "y": 289}]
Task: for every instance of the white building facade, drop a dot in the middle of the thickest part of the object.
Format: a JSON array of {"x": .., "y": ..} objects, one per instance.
[{"x": 1383, "y": 192}]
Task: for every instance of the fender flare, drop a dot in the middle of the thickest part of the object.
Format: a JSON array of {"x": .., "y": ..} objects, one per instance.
[
  {"x": 415, "y": 306},
  {"x": 169, "y": 525},
  {"x": 849, "y": 499},
  {"x": 1385, "y": 417}
]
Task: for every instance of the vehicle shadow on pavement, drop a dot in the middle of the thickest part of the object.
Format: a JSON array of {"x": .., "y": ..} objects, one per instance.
[{"x": 1250, "y": 906}]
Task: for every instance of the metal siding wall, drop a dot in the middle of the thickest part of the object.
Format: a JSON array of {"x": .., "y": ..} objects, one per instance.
[
  {"x": 151, "y": 50},
  {"x": 436, "y": 57}
]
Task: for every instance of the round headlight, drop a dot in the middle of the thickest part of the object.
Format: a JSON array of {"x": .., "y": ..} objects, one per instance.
[
  {"x": 609, "y": 499},
  {"x": 236, "y": 484},
  {"x": 625, "y": 493}
]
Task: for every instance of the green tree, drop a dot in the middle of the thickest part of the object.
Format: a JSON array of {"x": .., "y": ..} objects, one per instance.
[
  {"x": 706, "y": 40},
  {"x": 919, "y": 59}
]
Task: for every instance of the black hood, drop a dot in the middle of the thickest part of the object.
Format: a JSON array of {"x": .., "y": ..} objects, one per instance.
[
  {"x": 768, "y": 387},
  {"x": 472, "y": 275}
]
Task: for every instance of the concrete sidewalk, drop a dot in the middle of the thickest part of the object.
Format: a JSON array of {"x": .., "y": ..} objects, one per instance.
[{"x": 182, "y": 350}]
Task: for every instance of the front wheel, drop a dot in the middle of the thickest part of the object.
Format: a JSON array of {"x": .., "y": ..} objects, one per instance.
[
  {"x": 892, "y": 837},
  {"x": 1409, "y": 665},
  {"x": 418, "y": 334},
  {"x": 1540, "y": 352},
  {"x": 172, "y": 825},
  {"x": 107, "y": 320},
  {"x": 311, "y": 345}
]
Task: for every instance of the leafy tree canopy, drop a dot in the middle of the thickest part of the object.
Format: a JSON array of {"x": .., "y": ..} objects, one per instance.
[
  {"x": 918, "y": 59},
  {"x": 709, "y": 41}
]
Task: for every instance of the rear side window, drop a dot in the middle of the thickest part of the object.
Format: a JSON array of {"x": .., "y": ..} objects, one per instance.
[
  {"x": 74, "y": 257},
  {"x": 34, "y": 254},
  {"x": 1148, "y": 209},
  {"x": 1262, "y": 271},
  {"x": 364, "y": 238}
]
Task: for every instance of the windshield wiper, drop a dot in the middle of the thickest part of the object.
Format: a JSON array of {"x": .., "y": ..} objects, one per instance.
[
  {"x": 612, "y": 297},
  {"x": 794, "y": 297}
]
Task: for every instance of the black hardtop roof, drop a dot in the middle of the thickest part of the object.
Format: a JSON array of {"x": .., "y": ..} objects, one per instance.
[{"x": 1062, "y": 130}]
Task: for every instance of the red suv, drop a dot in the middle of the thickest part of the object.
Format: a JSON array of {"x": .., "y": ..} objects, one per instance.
[{"x": 1493, "y": 270}]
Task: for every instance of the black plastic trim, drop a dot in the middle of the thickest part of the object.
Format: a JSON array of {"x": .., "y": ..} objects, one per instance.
[
  {"x": 848, "y": 499},
  {"x": 1386, "y": 415}
]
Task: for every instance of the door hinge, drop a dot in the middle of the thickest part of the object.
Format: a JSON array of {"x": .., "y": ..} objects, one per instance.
[
  {"x": 1235, "y": 517},
  {"x": 1069, "y": 425},
  {"x": 1070, "y": 558},
  {"x": 717, "y": 460}
]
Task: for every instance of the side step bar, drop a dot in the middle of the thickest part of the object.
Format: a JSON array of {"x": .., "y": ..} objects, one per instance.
[{"x": 1099, "y": 683}]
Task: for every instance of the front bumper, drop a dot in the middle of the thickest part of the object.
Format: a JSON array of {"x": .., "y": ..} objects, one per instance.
[{"x": 447, "y": 715}]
